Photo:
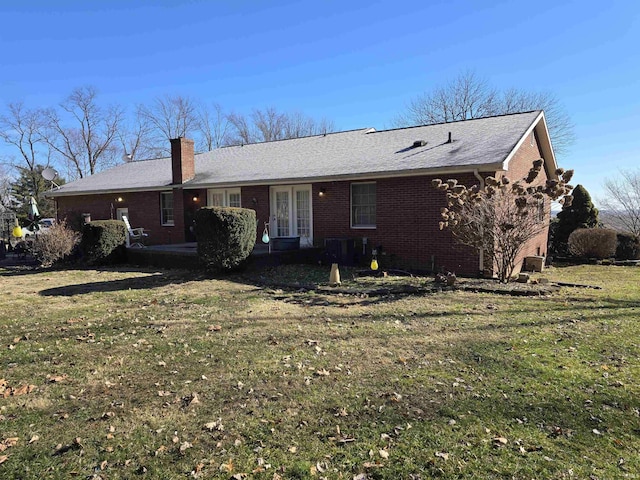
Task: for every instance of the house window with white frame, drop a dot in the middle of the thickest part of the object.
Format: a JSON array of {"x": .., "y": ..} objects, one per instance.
[
  {"x": 166, "y": 208},
  {"x": 224, "y": 197},
  {"x": 363, "y": 205}
]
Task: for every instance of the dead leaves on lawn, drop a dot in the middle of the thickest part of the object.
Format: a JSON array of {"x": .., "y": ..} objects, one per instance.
[
  {"x": 62, "y": 449},
  {"x": 7, "y": 391}
]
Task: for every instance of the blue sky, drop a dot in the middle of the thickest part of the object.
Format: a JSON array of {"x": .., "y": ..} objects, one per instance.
[{"x": 356, "y": 63}]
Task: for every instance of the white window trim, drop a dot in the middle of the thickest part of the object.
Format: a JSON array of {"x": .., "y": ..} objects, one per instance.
[
  {"x": 361, "y": 227},
  {"x": 226, "y": 192},
  {"x": 162, "y": 222}
]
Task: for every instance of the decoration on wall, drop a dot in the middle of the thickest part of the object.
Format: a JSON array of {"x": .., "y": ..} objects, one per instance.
[{"x": 374, "y": 260}]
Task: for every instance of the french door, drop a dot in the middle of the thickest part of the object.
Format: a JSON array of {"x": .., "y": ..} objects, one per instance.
[{"x": 292, "y": 213}]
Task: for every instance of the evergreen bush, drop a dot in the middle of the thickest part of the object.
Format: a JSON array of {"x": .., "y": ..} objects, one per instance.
[
  {"x": 597, "y": 243},
  {"x": 580, "y": 213},
  {"x": 628, "y": 247},
  {"x": 103, "y": 242},
  {"x": 226, "y": 236}
]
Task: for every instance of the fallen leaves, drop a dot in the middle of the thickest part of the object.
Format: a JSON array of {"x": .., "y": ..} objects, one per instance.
[
  {"x": 7, "y": 391},
  {"x": 190, "y": 400},
  {"x": 56, "y": 378},
  {"x": 215, "y": 425},
  {"x": 442, "y": 455},
  {"x": 8, "y": 443},
  {"x": 61, "y": 449},
  {"x": 499, "y": 441}
]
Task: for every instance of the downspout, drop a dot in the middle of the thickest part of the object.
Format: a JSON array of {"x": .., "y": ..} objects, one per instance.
[{"x": 481, "y": 256}]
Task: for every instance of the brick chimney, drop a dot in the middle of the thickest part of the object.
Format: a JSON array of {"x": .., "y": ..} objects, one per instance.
[{"x": 182, "y": 160}]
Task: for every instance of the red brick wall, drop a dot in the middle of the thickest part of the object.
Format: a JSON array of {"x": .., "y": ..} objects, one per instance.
[
  {"x": 144, "y": 211},
  {"x": 257, "y": 198},
  {"x": 518, "y": 168},
  {"x": 408, "y": 212},
  {"x": 182, "y": 160}
]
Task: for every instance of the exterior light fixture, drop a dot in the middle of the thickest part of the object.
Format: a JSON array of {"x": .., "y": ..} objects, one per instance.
[
  {"x": 322, "y": 192},
  {"x": 196, "y": 197},
  {"x": 119, "y": 199}
]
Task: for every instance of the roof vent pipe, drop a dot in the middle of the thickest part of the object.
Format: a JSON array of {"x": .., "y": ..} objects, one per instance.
[{"x": 449, "y": 141}]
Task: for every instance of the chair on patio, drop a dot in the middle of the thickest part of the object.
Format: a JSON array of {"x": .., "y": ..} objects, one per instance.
[{"x": 135, "y": 236}]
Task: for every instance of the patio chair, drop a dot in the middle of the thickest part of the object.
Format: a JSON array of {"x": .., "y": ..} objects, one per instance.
[{"x": 135, "y": 236}]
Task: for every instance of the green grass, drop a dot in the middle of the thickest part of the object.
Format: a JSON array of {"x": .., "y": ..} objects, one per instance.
[{"x": 311, "y": 385}]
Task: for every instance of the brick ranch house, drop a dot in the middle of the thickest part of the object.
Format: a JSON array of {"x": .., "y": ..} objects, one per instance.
[{"x": 368, "y": 188}]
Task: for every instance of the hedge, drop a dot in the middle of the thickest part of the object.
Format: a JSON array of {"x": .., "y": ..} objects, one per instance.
[
  {"x": 628, "y": 247},
  {"x": 225, "y": 235},
  {"x": 103, "y": 242},
  {"x": 593, "y": 243}
]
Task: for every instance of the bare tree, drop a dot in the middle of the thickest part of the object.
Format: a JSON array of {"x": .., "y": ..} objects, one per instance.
[
  {"x": 243, "y": 130},
  {"x": 269, "y": 125},
  {"x": 213, "y": 125},
  {"x": 168, "y": 117},
  {"x": 5, "y": 189},
  {"x": 83, "y": 136},
  {"x": 135, "y": 139},
  {"x": 468, "y": 96},
  {"x": 621, "y": 204},
  {"x": 499, "y": 218},
  {"x": 21, "y": 128}
]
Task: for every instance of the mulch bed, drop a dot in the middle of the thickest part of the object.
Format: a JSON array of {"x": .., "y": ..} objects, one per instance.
[{"x": 376, "y": 286}]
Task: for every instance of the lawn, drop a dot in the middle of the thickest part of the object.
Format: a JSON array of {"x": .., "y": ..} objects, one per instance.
[{"x": 167, "y": 374}]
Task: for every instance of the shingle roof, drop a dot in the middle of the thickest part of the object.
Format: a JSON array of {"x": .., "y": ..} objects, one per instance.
[{"x": 486, "y": 142}]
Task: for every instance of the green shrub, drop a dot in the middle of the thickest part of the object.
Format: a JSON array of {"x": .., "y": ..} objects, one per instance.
[
  {"x": 593, "y": 242},
  {"x": 628, "y": 247},
  {"x": 103, "y": 242},
  {"x": 226, "y": 236},
  {"x": 54, "y": 244}
]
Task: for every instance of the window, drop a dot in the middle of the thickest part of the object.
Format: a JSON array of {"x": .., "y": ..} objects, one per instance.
[
  {"x": 226, "y": 197},
  {"x": 363, "y": 205},
  {"x": 541, "y": 211},
  {"x": 166, "y": 208}
]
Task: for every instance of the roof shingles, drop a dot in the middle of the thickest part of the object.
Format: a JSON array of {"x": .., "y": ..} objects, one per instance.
[{"x": 476, "y": 143}]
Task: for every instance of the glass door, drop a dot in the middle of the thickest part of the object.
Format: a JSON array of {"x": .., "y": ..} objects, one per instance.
[{"x": 291, "y": 213}]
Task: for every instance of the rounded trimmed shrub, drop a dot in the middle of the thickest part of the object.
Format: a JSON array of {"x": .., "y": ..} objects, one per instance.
[
  {"x": 225, "y": 235},
  {"x": 103, "y": 242},
  {"x": 593, "y": 243},
  {"x": 628, "y": 247}
]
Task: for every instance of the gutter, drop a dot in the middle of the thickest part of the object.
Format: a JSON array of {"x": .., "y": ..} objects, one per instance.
[{"x": 481, "y": 253}]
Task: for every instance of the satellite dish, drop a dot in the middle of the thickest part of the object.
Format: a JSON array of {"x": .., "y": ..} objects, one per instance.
[
  {"x": 127, "y": 157},
  {"x": 49, "y": 174}
]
